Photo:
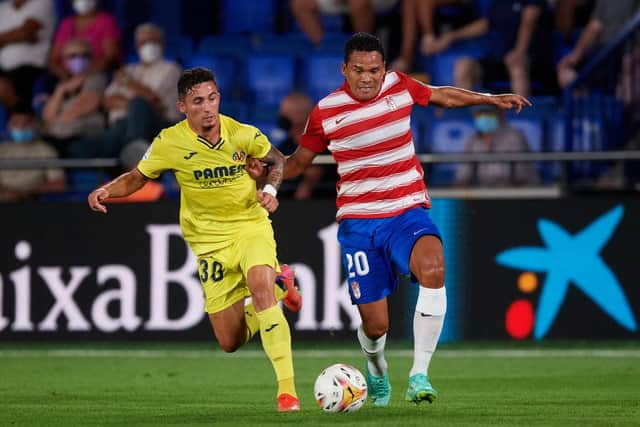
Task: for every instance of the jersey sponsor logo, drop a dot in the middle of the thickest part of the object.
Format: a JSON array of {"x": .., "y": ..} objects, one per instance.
[
  {"x": 218, "y": 172},
  {"x": 239, "y": 156},
  {"x": 190, "y": 155}
]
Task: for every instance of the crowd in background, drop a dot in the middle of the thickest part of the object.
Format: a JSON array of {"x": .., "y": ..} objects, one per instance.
[{"x": 76, "y": 82}]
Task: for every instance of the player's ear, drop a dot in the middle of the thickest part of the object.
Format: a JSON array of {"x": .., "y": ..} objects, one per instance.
[
  {"x": 344, "y": 69},
  {"x": 181, "y": 106}
]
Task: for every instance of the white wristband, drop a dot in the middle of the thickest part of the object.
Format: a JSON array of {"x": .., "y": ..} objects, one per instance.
[{"x": 270, "y": 189}]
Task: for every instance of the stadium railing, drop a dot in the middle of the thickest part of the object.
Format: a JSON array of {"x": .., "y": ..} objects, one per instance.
[
  {"x": 601, "y": 104},
  {"x": 558, "y": 188}
]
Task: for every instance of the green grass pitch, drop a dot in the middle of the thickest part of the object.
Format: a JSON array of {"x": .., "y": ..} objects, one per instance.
[{"x": 198, "y": 385}]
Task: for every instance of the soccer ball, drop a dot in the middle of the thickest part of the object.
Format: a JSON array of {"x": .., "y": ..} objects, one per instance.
[{"x": 340, "y": 388}]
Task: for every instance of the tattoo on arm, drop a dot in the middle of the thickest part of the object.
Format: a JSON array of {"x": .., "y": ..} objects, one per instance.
[{"x": 275, "y": 161}]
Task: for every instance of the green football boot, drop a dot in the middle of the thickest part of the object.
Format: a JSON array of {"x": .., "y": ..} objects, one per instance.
[
  {"x": 420, "y": 389},
  {"x": 379, "y": 389}
]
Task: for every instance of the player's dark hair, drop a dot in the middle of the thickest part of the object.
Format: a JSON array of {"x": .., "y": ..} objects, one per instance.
[
  {"x": 362, "y": 42},
  {"x": 192, "y": 77}
]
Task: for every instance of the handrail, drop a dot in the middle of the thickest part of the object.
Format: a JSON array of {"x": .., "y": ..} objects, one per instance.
[
  {"x": 614, "y": 44},
  {"x": 325, "y": 159},
  {"x": 621, "y": 155},
  {"x": 585, "y": 71},
  {"x": 98, "y": 163}
]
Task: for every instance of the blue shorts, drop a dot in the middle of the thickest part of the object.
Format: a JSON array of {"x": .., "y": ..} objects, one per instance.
[{"x": 376, "y": 251}]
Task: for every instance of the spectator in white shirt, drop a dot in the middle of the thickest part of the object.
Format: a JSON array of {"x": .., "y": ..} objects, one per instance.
[
  {"x": 26, "y": 31},
  {"x": 141, "y": 100}
]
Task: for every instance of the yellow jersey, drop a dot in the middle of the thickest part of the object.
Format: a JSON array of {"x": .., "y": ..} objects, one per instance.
[{"x": 217, "y": 196}]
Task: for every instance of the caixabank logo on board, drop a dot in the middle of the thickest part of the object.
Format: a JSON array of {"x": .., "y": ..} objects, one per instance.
[{"x": 565, "y": 260}]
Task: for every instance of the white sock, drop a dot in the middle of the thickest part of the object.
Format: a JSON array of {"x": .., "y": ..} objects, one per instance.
[
  {"x": 427, "y": 325},
  {"x": 374, "y": 352}
]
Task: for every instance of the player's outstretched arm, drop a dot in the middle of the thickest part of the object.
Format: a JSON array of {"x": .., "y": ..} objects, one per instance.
[
  {"x": 267, "y": 195},
  {"x": 298, "y": 162},
  {"x": 125, "y": 184},
  {"x": 453, "y": 97}
]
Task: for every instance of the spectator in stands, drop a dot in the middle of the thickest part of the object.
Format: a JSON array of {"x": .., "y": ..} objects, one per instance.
[
  {"x": 292, "y": 118},
  {"x": 24, "y": 143},
  {"x": 418, "y": 16},
  {"x": 93, "y": 25},
  {"x": 606, "y": 20},
  {"x": 26, "y": 30},
  {"x": 73, "y": 110},
  {"x": 495, "y": 135},
  {"x": 571, "y": 16},
  {"x": 361, "y": 12},
  {"x": 520, "y": 46},
  {"x": 141, "y": 100}
]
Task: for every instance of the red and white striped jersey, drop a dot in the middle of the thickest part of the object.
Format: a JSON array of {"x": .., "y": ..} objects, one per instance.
[{"x": 371, "y": 142}]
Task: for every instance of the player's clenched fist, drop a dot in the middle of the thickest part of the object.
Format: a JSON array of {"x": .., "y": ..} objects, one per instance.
[
  {"x": 96, "y": 198},
  {"x": 268, "y": 201}
]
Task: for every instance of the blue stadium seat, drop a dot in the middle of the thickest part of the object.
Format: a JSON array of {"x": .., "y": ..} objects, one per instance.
[
  {"x": 3, "y": 123},
  {"x": 249, "y": 16},
  {"x": 237, "y": 110},
  {"x": 322, "y": 74},
  {"x": 295, "y": 44},
  {"x": 179, "y": 47},
  {"x": 265, "y": 118},
  {"x": 419, "y": 123},
  {"x": 533, "y": 130},
  {"x": 224, "y": 69},
  {"x": 236, "y": 45},
  {"x": 269, "y": 78},
  {"x": 83, "y": 181},
  {"x": 333, "y": 43},
  {"x": 447, "y": 136}
]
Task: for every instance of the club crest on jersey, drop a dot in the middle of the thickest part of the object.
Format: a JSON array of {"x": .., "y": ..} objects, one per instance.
[
  {"x": 239, "y": 156},
  {"x": 391, "y": 103},
  {"x": 355, "y": 287}
]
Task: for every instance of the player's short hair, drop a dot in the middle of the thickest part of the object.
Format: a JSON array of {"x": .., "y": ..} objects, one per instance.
[
  {"x": 362, "y": 42},
  {"x": 192, "y": 77}
]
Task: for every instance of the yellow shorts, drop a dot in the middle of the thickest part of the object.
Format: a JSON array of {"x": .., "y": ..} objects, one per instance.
[{"x": 223, "y": 273}]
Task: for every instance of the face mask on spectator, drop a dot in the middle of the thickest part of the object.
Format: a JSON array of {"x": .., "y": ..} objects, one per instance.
[
  {"x": 486, "y": 123},
  {"x": 21, "y": 136},
  {"x": 78, "y": 64},
  {"x": 82, "y": 7},
  {"x": 150, "y": 52}
]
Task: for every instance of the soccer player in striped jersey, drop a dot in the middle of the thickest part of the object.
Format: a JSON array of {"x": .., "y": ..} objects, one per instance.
[
  {"x": 382, "y": 201},
  {"x": 225, "y": 221}
]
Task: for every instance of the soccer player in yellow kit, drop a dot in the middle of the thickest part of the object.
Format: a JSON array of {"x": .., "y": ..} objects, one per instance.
[{"x": 224, "y": 218}]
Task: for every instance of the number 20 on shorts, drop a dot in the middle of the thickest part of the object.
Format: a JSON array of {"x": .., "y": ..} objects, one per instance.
[{"x": 357, "y": 264}]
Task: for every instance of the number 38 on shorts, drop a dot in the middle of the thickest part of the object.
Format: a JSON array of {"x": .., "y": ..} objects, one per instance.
[{"x": 210, "y": 270}]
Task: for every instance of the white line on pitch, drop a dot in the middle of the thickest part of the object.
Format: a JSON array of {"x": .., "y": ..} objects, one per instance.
[{"x": 317, "y": 354}]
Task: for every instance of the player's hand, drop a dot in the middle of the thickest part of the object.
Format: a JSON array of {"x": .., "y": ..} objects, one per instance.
[
  {"x": 510, "y": 100},
  {"x": 267, "y": 201},
  {"x": 96, "y": 198},
  {"x": 433, "y": 46},
  {"x": 255, "y": 168}
]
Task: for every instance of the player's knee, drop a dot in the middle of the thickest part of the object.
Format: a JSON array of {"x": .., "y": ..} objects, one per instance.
[
  {"x": 431, "y": 272},
  {"x": 229, "y": 346},
  {"x": 375, "y": 330}
]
